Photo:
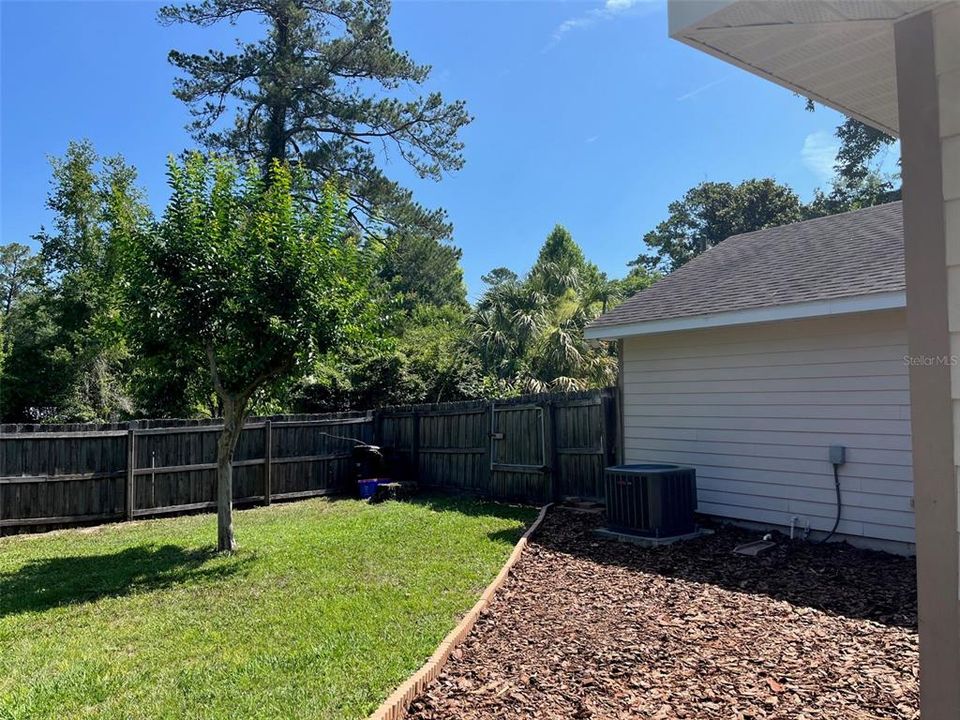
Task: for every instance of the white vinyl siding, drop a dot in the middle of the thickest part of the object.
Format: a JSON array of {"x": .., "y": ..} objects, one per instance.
[{"x": 754, "y": 409}]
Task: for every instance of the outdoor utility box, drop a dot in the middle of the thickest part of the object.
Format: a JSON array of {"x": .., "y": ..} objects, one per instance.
[{"x": 651, "y": 500}]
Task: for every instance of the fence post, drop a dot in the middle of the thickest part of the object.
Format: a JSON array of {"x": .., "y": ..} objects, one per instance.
[
  {"x": 490, "y": 458},
  {"x": 153, "y": 479},
  {"x": 551, "y": 457},
  {"x": 415, "y": 445},
  {"x": 131, "y": 466},
  {"x": 268, "y": 459},
  {"x": 375, "y": 417}
]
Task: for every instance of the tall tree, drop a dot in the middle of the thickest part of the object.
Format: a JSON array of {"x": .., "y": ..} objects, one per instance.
[
  {"x": 637, "y": 279},
  {"x": 860, "y": 146},
  {"x": 20, "y": 269},
  {"x": 421, "y": 270},
  {"x": 560, "y": 264},
  {"x": 499, "y": 276},
  {"x": 241, "y": 279},
  {"x": 423, "y": 353},
  {"x": 859, "y": 180},
  {"x": 711, "y": 212},
  {"x": 325, "y": 88},
  {"x": 437, "y": 346},
  {"x": 68, "y": 360},
  {"x": 529, "y": 331},
  {"x": 845, "y": 195}
]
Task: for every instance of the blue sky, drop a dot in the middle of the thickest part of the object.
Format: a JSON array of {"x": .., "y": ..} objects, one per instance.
[{"x": 586, "y": 114}]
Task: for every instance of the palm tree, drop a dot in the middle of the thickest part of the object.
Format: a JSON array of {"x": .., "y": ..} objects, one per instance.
[{"x": 529, "y": 332}]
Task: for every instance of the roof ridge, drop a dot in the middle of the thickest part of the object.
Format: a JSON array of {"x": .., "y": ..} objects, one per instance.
[{"x": 854, "y": 253}]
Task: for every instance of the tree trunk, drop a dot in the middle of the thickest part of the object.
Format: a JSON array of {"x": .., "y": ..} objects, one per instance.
[
  {"x": 233, "y": 412},
  {"x": 276, "y": 130}
]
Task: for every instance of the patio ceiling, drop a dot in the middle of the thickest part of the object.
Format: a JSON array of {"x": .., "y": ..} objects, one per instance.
[{"x": 838, "y": 52}]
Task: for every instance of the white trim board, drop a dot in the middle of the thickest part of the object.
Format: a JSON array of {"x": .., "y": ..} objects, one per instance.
[{"x": 795, "y": 311}]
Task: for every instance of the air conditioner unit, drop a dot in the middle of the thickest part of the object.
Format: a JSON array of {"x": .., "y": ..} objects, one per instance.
[{"x": 652, "y": 500}]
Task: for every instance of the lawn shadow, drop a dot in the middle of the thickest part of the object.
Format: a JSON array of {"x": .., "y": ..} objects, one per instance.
[
  {"x": 50, "y": 582},
  {"x": 508, "y": 536},
  {"x": 475, "y": 506},
  {"x": 835, "y": 578}
]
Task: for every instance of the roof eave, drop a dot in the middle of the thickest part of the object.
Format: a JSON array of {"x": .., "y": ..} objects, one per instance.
[
  {"x": 800, "y": 45},
  {"x": 794, "y": 311},
  {"x": 806, "y": 92}
]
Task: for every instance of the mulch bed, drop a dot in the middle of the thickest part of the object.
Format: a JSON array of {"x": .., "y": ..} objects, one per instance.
[{"x": 590, "y": 628}]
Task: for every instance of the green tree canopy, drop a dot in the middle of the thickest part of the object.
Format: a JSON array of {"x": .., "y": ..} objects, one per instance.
[
  {"x": 860, "y": 146},
  {"x": 560, "y": 264},
  {"x": 20, "y": 270},
  {"x": 20, "y": 273},
  {"x": 421, "y": 270},
  {"x": 858, "y": 180},
  {"x": 243, "y": 280},
  {"x": 529, "y": 331},
  {"x": 498, "y": 276},
  {"x": 67, "y": 357},
  {"x": 845, "y": 195},
  {"x": 711, "y": 212},
  {"x": 422, "y": 353},
  {"x": 324, "y": 88}
]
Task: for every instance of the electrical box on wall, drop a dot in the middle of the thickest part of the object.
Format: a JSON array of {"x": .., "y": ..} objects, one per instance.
[{"x": 838, "y": 454}]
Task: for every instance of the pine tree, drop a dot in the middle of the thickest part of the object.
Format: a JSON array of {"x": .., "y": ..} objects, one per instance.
[{"x": 325, "y": 89}]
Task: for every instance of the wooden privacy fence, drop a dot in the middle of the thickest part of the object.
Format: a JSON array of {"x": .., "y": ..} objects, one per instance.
[
  {"x": 63, "y": 474},
  {"x": 535, "y": 448}
]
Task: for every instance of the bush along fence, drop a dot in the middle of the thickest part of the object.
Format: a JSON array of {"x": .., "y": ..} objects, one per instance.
[{"x": 534, "y": 449}]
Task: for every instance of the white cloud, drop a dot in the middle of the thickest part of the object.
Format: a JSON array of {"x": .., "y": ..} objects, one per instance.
[
  {"x": 592, "y": 139},
  {"x": 703, "y": 88},
  {"x": 572, "y": 24},
  {"x": 819, "y": 152},
  {"x": 611, "y": 10}
]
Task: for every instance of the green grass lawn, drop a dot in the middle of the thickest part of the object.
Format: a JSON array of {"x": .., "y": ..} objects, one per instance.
[{"x": 326, "y": 607}]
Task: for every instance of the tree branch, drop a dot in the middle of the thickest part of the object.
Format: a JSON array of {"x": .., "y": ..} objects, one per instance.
[{"x": 214, "y": 373}]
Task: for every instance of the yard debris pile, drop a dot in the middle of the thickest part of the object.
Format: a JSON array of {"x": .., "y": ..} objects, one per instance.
[{"x": 588, "y": 628}]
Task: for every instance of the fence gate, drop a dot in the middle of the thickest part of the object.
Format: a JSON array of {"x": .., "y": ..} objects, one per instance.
[
  {"x": 519, "y": 456},
  {"x": 585, "y": 440}
]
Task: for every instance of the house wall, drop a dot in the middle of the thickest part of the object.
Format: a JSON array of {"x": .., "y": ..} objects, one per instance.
[{"x": 755, "y": 408}]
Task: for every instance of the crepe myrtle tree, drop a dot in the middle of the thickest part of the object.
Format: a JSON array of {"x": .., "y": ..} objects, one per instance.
[{"x": 243, "y": 279}]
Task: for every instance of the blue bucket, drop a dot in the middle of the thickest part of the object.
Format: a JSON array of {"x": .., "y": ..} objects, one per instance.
[{"x": 367, "y": 487}]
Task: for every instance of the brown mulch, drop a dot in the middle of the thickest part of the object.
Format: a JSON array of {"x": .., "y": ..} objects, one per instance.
[{"x": 589, "y": 628}]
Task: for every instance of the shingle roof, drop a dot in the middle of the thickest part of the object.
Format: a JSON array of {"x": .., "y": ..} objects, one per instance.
[{"x": 839, "y": 256}]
